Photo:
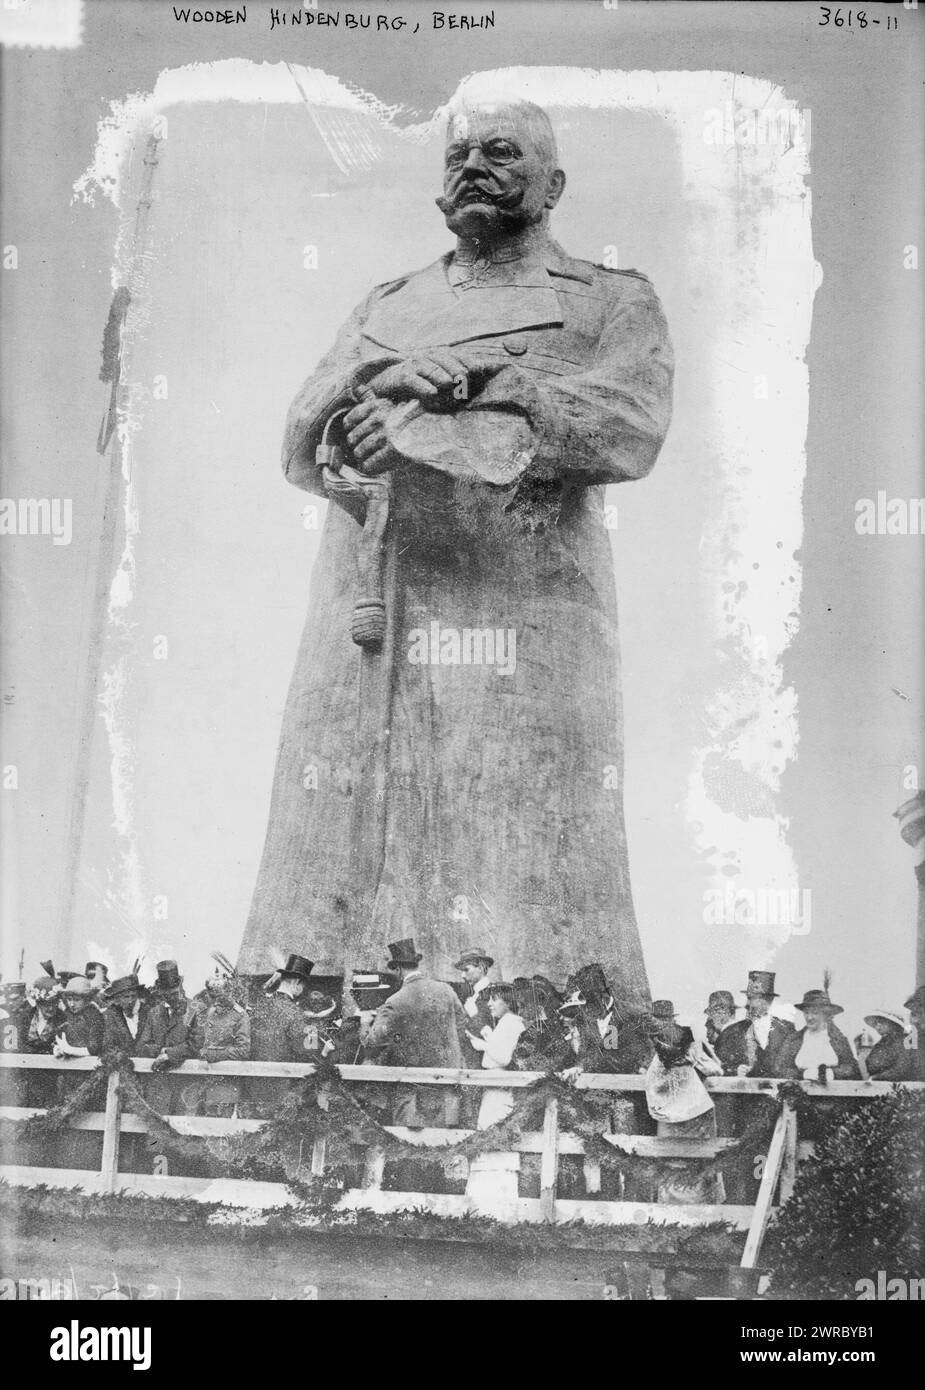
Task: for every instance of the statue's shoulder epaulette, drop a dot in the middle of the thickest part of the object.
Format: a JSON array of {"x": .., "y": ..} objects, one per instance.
[
  {"x": 613, "y": 270},
  {"x": 388, "y": 285}
]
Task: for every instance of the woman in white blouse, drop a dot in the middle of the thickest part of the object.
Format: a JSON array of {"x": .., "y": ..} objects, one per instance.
[{"x": 496, "y": 1044}]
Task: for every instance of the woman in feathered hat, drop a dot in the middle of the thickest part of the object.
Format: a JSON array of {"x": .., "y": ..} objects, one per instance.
[{"x": 820, "y": 1051}]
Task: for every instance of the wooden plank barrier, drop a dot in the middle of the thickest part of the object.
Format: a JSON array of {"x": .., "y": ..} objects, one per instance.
[{"x": 551, "y": 1144}]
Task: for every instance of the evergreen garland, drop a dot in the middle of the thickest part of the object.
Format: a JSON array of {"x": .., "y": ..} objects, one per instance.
[{"x": 323, "y": 1106}]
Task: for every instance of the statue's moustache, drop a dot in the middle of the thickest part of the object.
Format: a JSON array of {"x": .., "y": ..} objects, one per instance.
[{"x": 506, "y": 202}]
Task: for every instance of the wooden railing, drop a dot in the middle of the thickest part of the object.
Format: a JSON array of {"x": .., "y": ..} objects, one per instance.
[{"x": 551, "y": 1143}]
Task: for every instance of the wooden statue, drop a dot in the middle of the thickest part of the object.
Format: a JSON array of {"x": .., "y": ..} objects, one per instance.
[{"x": 453, "y": 730}]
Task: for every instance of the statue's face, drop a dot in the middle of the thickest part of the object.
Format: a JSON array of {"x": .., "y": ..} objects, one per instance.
[{"x": 495, "y": 177}]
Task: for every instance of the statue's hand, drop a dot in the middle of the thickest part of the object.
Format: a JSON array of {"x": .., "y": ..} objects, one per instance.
[
  {"x": 365, "y": 428},
  {"x": 444, "y": 372}
]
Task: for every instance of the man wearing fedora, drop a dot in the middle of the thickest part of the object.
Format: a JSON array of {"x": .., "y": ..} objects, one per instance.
[
  {"x": 720, "y": 1012},
  {"x": 422, "y": 1025},
  {"x": 474, "y": 966},
  {"x": 756, "y": 1045}
]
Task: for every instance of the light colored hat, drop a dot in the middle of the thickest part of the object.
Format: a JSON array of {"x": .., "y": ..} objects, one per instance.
[
  {"x": 319, "y": 1005},
  {"x": 79, "y": 986},
  {"x": 572, "y": 1002},
  {"x": 873, "y": 1018},
  {"x": 474, "y": 957}
]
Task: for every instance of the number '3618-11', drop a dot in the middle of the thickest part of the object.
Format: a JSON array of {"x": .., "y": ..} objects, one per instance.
[{"x": 853, "y": 19}]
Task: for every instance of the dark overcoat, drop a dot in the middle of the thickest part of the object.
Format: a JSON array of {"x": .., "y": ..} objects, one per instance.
[
  {"x": 503, "y": 778},
  {"x": 732, "y": 1049},
  {"x": 421, "y": 1025}
]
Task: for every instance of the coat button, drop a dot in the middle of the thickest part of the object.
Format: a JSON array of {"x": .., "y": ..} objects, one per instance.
[{"x": 515, "y": 346}]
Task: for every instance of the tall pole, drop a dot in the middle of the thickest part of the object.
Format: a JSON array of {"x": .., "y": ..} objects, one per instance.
[
  {"x": 114, "y": 362},
  {"x": 911, "y": 817}
]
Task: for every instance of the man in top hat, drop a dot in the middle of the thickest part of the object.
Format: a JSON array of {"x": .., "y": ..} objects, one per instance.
[
  {"x": 126, "y": 1011},
  {"x": 474, "y": 966},
  {"x": 422, "y": 1025},
  {"x": 916, "y": 1006},
  {"x": 278, "y": 1021},
  {"x": 278, "y": 1032},
  {"x": 80, "y": 1032},
  {"x": 720, "y": 1012},
  {"x": 165, "y": 1031},
  {"x": 759, "y": 1044}
]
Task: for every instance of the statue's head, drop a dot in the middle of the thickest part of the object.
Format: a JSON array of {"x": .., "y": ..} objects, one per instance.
[{"x": 500, "y": 172}]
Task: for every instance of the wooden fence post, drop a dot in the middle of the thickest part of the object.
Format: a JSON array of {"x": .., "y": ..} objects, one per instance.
[
  {"x": 111, "y": 1126},
  {"x": 549, "y": 1161},
  {"x": 762, "y": 1212},
  {"x": 319, "y": 1148},
  {"x": 788, "y": 1170}
]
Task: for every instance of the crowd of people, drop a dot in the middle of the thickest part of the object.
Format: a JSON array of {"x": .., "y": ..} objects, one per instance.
[{"x": 404, "y": 1017}]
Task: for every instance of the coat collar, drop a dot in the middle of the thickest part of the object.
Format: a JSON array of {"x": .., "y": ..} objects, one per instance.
[{"x": 425, "y": 310}]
